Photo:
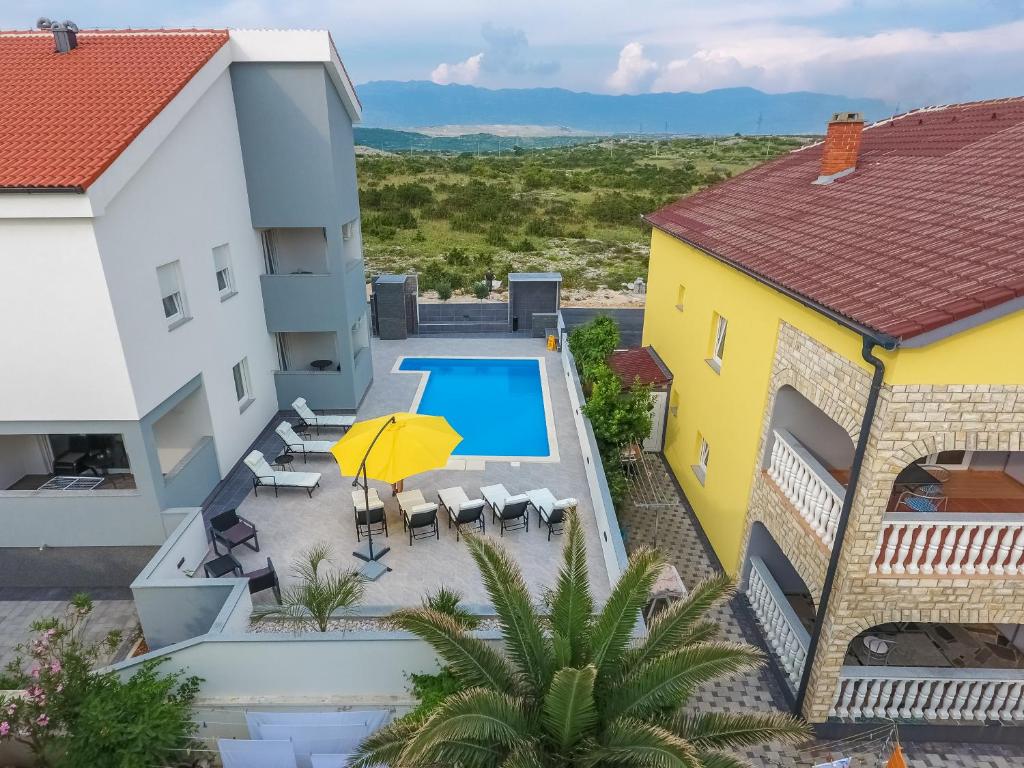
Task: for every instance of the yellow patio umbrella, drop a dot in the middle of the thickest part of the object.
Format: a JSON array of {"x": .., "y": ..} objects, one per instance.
[{"x": 391, "y": 448}]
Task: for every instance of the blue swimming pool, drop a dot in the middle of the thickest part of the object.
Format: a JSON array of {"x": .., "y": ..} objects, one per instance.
[{"x": 497, "y": 405}]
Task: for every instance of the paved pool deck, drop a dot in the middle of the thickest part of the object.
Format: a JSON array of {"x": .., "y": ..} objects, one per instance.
[{"x": 290, "y": 524}]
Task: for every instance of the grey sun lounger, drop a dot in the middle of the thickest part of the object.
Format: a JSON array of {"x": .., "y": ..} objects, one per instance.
[
  {"x": 265, "y": 475},
  {"x": 550, "y": 511},
  {"x": 326, "y": 420},
  {"x": 462, "y": 510},
  {"x": 296, "y": 444}
]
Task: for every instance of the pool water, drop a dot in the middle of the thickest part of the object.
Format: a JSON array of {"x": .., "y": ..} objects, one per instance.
[{"x": 497, "y": 405}]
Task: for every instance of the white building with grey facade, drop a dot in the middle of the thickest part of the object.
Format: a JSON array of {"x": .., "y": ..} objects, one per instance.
[{"x": 179, "y": 244}]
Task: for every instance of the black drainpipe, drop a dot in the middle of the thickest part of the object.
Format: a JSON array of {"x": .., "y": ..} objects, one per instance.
[{"x": 867, "y": 352}]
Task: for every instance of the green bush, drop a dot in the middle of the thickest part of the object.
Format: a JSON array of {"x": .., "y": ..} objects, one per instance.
[
  {"x": 480, "y": 290},
  {"x": 444, "y": 290},
  {"x": 524, "y": 246},
  {"x": 591, "y": 344},
  {"x": 496, "y": 236}
]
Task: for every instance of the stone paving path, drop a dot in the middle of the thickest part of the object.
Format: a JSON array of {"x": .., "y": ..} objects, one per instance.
[
  {"x": 16, "y": 617},
  {"x": 679, "y": 536}
]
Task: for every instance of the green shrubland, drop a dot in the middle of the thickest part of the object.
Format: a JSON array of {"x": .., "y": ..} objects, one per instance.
[{"x": 452, "y": 217}]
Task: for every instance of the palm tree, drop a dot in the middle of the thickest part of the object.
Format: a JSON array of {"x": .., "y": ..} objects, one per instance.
[
  {"x": 319, "y": 594},
  {"x": 573, "y": 688}
]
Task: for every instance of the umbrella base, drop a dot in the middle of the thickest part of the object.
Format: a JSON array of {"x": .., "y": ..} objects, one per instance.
[
  {"x": 373, "y": 570},
  {"x": 363, "y": 552}
]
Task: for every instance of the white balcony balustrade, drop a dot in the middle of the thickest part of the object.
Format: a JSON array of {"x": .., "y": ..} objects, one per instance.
[
  {"x": 817, "y": 496},
  {"x": 780, "y": 625},
  {"x": 987, "y": 544},
  {"x": 929, "y": 693}
]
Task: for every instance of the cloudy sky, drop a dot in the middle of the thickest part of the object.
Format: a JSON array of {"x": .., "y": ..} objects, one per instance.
[{"x": 909, "y": 52}]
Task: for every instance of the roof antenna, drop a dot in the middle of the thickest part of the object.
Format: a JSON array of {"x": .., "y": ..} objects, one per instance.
[{"x": 65, "y": 33}]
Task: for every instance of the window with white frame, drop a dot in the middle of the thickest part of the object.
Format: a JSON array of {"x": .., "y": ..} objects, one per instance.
[
  {"x": 243, "y": 386},
  {"x": 222, "y": 271},
  {"x": 718, "y": 342},
  {"x": 700, "y": 469},
  {"x": 171, "y": 294}
]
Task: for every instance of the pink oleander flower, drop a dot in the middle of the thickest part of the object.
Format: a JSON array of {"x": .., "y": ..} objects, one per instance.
[
  {"x": 35, "y": 673},
  {"x": 12, "y": 708},
  {"x": 55, "y": 667},
  {"x": 50, "y": 632},
  {"x": 43, "y": 720},
  {"x": 5, "y": 728}
]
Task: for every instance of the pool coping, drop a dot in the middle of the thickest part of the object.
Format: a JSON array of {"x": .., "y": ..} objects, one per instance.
[{"x": 549, "y": 417}]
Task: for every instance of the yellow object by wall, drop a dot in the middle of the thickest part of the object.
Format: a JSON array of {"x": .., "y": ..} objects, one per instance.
[{"x": 725, "y": 405}]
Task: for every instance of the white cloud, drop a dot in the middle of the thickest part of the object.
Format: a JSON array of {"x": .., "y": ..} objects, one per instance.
[
  {"x": 908, "y": 65},
  {"x": 463, "y": 72},
  {"x": 634, "y": 72}
]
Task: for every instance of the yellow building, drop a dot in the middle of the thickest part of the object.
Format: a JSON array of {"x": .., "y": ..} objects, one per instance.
[{"x": 844, "y": 330}]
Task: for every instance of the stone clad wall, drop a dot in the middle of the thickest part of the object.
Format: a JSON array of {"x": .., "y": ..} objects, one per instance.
[
  {"x": 839, "y": 389},
  {"x": 911, "y": 421}
]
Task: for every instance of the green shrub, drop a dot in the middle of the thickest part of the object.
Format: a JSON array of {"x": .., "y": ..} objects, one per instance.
[
  {"x": 543, "y": 227},
  {"x": 524, "y": 246},
  {"x": 430, "y": 690},
  {"x": 480, "y": 290},
  {"x": 444, "y": 290},
  {"x": 591, "y": 344},
  {"x": 449, "y": 602},
  {"x": 496, "y": 236}
]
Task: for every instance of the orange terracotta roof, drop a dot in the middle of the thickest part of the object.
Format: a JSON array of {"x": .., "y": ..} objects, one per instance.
[
  {"x": 66, "y": 117},
  {"x": 926, "y": 231},
  {"x": 640, "y": 363}
]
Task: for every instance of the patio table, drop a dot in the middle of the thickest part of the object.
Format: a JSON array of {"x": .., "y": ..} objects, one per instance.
[{"x": 222, "y": 566}]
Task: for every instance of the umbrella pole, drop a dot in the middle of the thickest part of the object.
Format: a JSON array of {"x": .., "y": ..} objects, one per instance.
[{"x": 373, "y": 570}]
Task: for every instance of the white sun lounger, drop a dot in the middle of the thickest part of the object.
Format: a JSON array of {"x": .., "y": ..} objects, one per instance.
[
  {"x": 332, "y": 420},
  {"x": 462, "y": 510},
  {"x": 498, "y": 498},
  {"x": 550, "y": 511},
  {"x": 256, "y": 753},
  {"x": 359, "y": 500},
  {"x": 264, "y": 474},
  {"x": 295, "y": 443}
]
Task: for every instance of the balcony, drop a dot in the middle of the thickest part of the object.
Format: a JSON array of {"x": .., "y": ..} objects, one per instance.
[
  {"x": 955, "y": 519},
  {"x": 808, "y": 485},
  {"x": 302, "y": 302},
  {"x": 782, "y": 629},
  {"x": 934, "y": 672}
]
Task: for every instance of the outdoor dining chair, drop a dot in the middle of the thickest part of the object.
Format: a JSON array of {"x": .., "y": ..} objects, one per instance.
[{"x": 265, "y": 578}]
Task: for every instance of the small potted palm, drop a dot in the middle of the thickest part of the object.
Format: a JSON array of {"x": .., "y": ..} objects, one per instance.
[{"x": 321, "y": 595}]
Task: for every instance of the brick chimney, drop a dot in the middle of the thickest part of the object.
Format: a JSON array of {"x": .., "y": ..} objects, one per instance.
[{"x": 842, "y": 146}]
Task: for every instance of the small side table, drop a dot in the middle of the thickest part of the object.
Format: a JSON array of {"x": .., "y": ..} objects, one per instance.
[
  {"x": 222, "y": 566},
  {"x": 284, "y": 461}
]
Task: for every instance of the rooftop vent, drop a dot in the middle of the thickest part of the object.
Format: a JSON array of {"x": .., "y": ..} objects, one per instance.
[{"x": 65, "y": 33}]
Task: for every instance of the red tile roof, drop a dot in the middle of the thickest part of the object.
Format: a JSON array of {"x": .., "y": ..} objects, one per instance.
[
  {"x": 65, "y": 117},
  {"x": 641, "y": 363},
  {"x": 926, "y": 231}
]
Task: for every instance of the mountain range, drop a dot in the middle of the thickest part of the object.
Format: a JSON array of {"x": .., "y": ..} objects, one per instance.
[{"x": 414, "y": 104}]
